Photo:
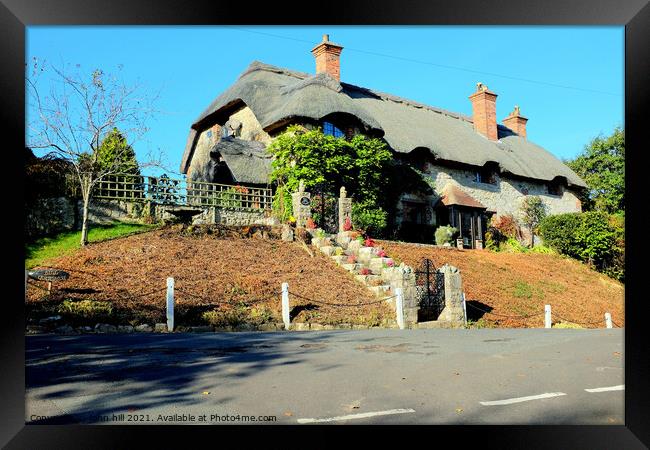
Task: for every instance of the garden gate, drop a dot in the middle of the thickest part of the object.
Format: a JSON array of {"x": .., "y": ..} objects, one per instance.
[
  {"x": 430, "y": 290},
  {"x": 325, "y": 208}
]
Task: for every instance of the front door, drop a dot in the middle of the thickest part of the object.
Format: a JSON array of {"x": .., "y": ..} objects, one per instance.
[{"x": 467, "y": 228}]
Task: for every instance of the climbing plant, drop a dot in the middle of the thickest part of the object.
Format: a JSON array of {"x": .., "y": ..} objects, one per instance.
[{"x": 361, "y": 164}]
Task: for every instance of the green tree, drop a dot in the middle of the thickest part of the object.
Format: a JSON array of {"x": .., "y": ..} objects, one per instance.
[
  {"x": 602, "y": 166},
  {"x": 360, "y": 164},
  {"x": 533, "y": 212},
  {"x": 117, "y": 155}
]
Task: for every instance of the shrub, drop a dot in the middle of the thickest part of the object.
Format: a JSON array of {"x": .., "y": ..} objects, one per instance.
[
  {"x": 506, "y": 225},
  {"x": 226, "y": 318},
  {"x": 592, "y": 237},
  {"x": 445, "y": 235},
  {"x": 512, "y": 245},
  {"x": 559, "y": 232},
  {"x": 533, "y": 212},
  {"x": 86, "y": 309},
  {"x": 370, "y": 218}
]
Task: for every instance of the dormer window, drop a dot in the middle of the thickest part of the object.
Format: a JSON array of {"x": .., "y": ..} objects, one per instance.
[
  {"x": 330, "y": 130},
  {"x": 554, "y": 188},
  {"x": 485, "y": 176}
]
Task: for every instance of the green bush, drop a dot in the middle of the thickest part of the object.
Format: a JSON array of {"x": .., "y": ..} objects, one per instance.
[
  {"x": 560, "y": 232},
  {"x": 446, "y": 235},
  {"x": 512, "y": 245},
  {"x": 592, "y": 237},
  {"x": 371, "y": 219},
  {"x": 86, "y": 309}
]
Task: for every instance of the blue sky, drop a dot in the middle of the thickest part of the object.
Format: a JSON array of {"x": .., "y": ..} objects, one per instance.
[{"x": 435, "y": 65}]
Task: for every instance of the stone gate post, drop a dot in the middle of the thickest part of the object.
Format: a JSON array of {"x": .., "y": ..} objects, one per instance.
[
  {"x": 345, "y": 208},
  {"x": 301, "y": 202},
  {"x": 453, "y": 310},
  {"x": 403, "y": 277}
]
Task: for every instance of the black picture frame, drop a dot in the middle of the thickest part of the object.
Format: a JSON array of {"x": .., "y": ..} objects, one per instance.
[{"x": 15, "y": 15}]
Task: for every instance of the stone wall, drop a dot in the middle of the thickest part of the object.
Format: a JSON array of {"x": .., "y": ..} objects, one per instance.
[
  {"x": 201, "y": 166},
  {"x": 251, "y": 129},
  {"x": 49, "y": 216},
  {"x": 503, "y": 197},
  {"x": 223, "y": 216}
]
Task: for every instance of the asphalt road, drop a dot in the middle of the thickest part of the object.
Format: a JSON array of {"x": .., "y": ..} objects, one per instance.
[{"x": 491, "y": 376}]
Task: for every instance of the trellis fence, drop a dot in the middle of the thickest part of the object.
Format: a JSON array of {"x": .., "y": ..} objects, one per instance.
[{"x": 168, "y": 191}]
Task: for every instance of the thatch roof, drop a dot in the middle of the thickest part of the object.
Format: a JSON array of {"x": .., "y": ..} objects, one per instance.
[
  {"x": 276, "y": 95},
  {"x": 247, "y": 160}
]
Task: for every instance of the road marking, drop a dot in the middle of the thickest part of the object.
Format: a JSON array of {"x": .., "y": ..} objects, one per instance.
[
  {"x": 509, "y": 401},
  {"x": 620, "y": 387},
  {"x": 358, "y": 416}
]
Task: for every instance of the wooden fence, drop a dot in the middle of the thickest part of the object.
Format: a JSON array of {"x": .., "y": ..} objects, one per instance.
[{"x": 167, "y": 191}]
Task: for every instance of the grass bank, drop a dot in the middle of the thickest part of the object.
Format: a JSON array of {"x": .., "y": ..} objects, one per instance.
[{"x": 62, "y": 244}]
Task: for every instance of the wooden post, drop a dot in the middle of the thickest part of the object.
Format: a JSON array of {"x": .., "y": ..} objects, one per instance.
[
  {"x": 399, "y": 308},
  {"x": 608, "y": 320},
  {"x": 285, "y": 306},
  {"x": 170, "y": 304},
  {"x": 464, "y": 309},
  {"x": 547, "y": 316}
]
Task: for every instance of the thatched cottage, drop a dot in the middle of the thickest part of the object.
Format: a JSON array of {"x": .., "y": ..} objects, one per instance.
[{"x": 478, "y": 167}]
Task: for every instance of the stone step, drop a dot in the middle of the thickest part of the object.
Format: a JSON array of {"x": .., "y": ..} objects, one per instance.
[
  {"x": 354, "y": 245},
  {"x": 351, "y": 267},
  {"x": 339, "y": 259},
  {"x": 367, "y": 278},
  {"x": 327, "y": 250},
  {"x": 383, "y": 290}
]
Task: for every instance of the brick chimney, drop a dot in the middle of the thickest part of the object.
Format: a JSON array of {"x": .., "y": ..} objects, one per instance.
[
  {"x": 516, "y": 122},
  {"x": 484, "y": 111},
  {"x": 328, "y": 56}
]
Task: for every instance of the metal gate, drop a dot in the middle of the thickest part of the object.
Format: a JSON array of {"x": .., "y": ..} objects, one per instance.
[
  {"x": 324, "y": 208},
  {"x": 430, "y": 290}
]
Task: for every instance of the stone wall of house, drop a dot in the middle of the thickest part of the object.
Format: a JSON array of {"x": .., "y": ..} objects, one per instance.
[
  {"x": 251, "y": 129},
  {"x": 503, "y": 197},
  {"x": 202, "y": 166}
]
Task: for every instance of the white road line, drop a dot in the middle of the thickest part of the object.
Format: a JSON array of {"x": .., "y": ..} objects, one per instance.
[
  {"x": 358, "y": 416},
  {"x": 509, "y": 401},
  {"x": 620, "y": 387}
]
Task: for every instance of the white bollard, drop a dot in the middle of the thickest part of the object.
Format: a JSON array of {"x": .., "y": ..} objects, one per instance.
[
  {"x": 170, "y": 304},
  {"x": 608, "y": 320},
  {"x": 465, "y": 309},
  {"x": 399, "y": 308},
  {"x": 547, "y": 316},
  {"x": 285, "y": 306}
]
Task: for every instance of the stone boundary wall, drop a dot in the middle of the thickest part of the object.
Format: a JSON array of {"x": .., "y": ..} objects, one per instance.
[
  {"x": 47, "y": 216},
  {"x": 59, "y": 214}
]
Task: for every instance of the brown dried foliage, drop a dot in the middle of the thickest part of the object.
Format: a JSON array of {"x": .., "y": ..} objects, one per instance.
[
  {"x": 214, "y": 268},
  {"x": 575, "y": 292}
]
